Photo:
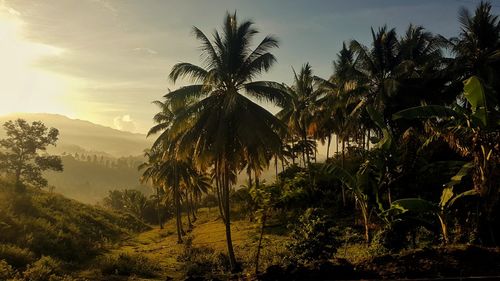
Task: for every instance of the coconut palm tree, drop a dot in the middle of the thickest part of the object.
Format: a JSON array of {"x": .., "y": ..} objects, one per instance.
[
  {"x": 298, "y": 109},
  {"x": 150, "y": 174},
  {"x": 172, "y": 173},
  {"x": 377, "y": 64},
  {"x": 223, "y": 121},
  {"x": 477, "y": 46}
]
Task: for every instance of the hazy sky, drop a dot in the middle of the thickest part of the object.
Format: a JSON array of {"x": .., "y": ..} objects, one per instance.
[{"x": 106, "y": 60}]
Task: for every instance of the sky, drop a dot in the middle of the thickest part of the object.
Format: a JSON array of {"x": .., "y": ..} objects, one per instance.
[{"x": 105, "y": 61}]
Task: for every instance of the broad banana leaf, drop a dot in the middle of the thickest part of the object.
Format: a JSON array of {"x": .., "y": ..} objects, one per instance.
[
  {"x": 475, "y": 95},
  {"x": 425, "y": 112},
  {"x": 471, "y": 192},
  {"x": 448, "y": 194},
  {"x": 414, "y": 205},
  {"x": 344, "y": 176},
  {"x": 386, "y": 141},
  {"x": 464, "y": 171}
]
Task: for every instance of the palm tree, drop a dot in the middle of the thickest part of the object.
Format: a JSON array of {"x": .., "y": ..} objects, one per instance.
[
  {"x": 151, "y": 169},
  {"x": 222, "y": 122},
  {"x": 477, "y": 46},
  {"x": 165, "y": 168},
  {"x": 398, "y": 73},
  {"x": 298, "y": 109},
  {"x": 377, "y": 64},
  {"x": 199, "y": 184}
]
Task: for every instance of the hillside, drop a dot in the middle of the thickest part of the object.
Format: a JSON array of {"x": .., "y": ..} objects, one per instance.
[
  {"x": 78, "y": 136},
  {"x": 41, "y": 224}
]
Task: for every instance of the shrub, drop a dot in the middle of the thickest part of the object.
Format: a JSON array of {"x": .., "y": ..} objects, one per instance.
[
  {"x": 15, "y": 256},
  {"x": 36, "y": 223},
  {"x": 202, "y": 261},
  {"x": 128, "y": 264},
  {"x": 312, "y": 238},
  {"x": 6, "y": 271},
  {"x": 46, "y": 268}
]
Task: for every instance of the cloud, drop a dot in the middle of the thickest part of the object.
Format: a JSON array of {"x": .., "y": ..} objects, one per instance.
[
  {"x": 146, "y": 50},
  {"x": 107, "y": 5},
  {"x": 125, "y": 123},
  {"x": 10, "y": 10}
]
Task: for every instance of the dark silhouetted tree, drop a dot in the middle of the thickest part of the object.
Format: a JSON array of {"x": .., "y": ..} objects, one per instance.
[{"x": 20, "y": 156}]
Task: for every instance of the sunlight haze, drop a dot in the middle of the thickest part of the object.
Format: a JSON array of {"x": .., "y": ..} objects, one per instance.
[{"x": 105, "y": 61}]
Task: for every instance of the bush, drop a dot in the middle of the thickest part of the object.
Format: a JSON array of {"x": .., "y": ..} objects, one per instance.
[
  {"x": 36, "y": 223},
  {"x": 15, "y": 256},
  {"x": 202, "y": 261},
  {"x": 128, "y": 264},
  {"x": 312, "y": 238},
  {"x": 6, "y": 271},
  {"x": 44, "y": 269}
]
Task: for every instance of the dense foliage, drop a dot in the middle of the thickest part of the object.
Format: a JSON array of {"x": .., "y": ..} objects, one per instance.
[
  {"x": 20, "y": 157},
  {"x": 416, "y": 116}
]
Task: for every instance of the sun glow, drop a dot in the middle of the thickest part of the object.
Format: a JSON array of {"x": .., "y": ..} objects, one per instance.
[{"x": 25, "y": 87}]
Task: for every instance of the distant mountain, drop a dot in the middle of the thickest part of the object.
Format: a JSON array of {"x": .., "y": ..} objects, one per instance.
[
  {"x": 79, "y": 136},
  {"x": 96, "y": 158}
]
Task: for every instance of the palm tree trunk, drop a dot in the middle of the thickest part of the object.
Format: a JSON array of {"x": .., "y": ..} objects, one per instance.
[
  {"x": 227, "y": 217},
  {"x": 307, "y": 161},
  {"x": 259, "y": 245},
  {"x": 249, "y": 171},
  {"x": 178, "y": 214},
  {"x": 328, "y": 146},
  {"x": 257, "y": 180},
  {"x": 190, "y": 225},
  {"x": 368, "y": 141},
  {"x": 158, "y": 207},
  {"x": 337, "y": 144},
  {"x": 282, "y": 163},
  {"x": 316, "y": 154},
  {"x": 193, "y": 207},
  {"x": 343, "y": 160},
  {"x": 276, "y": 166},
  {"x": 366, "y": 223}
]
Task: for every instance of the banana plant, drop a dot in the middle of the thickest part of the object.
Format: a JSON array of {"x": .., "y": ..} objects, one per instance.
[
  {"x": 418, "y": 208},
  {"x": 358, "y": 184},
  {"x": 473, "y": 131}
]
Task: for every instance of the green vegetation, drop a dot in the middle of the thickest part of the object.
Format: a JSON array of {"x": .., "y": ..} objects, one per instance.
[
  {"x": 21, "y": 157},
  {"x": 45, "y": 234},
  {"x": 420, "y": 111},
  {"x": 414, "y": 191}
]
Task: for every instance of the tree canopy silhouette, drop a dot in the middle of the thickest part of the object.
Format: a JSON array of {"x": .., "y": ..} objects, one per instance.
[{"x": 21, "y": 156}]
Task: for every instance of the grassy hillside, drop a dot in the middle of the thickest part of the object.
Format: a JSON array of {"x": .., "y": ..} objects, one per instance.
[{"x": 39, "y": 224}]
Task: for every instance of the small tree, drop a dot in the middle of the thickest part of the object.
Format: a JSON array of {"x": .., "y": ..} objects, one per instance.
[{"x": 20, "y": 156}]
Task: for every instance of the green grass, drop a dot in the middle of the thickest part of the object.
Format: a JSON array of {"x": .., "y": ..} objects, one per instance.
[
  {"x": 36, "y": 223},
  {"x": 208, "y": 236}
]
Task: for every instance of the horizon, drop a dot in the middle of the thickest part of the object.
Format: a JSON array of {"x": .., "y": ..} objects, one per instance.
[
  {"x": 106, "y": 61},
  {"x": 17, "y": 114}
]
